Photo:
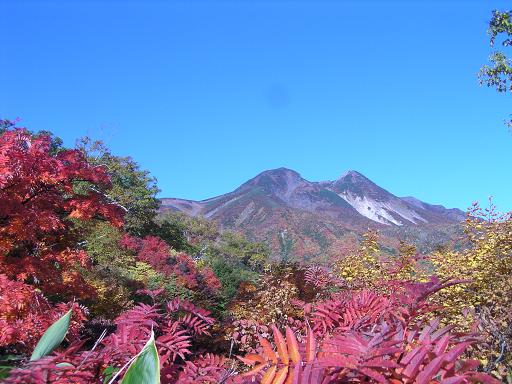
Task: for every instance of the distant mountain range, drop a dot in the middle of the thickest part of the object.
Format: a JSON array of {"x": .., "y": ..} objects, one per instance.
[{"x": 307, "y": 220}]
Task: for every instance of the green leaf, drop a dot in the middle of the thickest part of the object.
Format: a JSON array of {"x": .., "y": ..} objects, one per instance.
[
  {"x": 64, "y": 365},
  {"x": 11, "y": 358},
  {"x": 4, "y": 371},
  {"x": 108, "y": 373},
  {"x": 52, "y": 337},
  {"x": 145, "y": 369}
]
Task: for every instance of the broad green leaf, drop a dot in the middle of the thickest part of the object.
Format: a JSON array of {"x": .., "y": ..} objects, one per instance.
[
  {"x": 52, "y": 337},
  {"x": 145, "y": 369}
]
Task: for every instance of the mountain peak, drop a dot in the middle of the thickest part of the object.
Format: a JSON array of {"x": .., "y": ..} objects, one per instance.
[
  {"x": 352, "y": 175},
  {"x": 280, "y": 171},
  {"x": 276, "y": 180},
  {"x": 276, "y": 176},
  {"x": 357, "y": 183}
]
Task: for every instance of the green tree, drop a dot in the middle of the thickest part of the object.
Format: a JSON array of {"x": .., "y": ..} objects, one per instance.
[
  {"x": 498, "y": 73},
  {"x": 234, "y": 259},
  {"x": 133, "y": 189},
  {"x": 235, "y": 248},
  {"x": 6, "y": 125},
  {"x": 193, "y": 235}
]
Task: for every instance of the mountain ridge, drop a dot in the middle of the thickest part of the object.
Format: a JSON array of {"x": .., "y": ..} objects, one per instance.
[
  {"x": 358, "y": 191},
  {"x": 280, "y": 206}
]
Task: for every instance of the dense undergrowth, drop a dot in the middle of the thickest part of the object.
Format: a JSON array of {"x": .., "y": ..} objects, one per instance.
[{"x": 79, "y": 231}]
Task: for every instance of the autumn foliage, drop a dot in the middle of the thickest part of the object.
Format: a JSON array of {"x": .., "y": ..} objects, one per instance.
[
  {"x": 40, "y": 196},
  {"x": 157, "y": 253},
  {"x": 368, "y": 338},
  {"x": 219, "y": 310},
  {"x": 25, "y": 314}
]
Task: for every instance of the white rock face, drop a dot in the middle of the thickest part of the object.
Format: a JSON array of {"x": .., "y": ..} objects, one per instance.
[
  {"x": 248, "y": 210},
  {"x": 219, "y": 207},
  {"x": 190, "y": 207},
  {"x": 381, "y": 211}
]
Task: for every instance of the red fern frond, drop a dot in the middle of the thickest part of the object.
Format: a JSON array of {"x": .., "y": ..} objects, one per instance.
[
  {"x": 141, "y": 315},
  {"x": 172, "y": 343},
  {"x": 196, "y": 319},
  {"x": 206, "y": 369}
]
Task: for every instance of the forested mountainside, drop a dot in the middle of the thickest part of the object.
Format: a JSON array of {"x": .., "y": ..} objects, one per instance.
[{"x": 304, "y": 220}]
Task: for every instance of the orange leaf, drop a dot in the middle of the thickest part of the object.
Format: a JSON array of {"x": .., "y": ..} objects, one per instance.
[
  {"x": 293, "y": 346},
  {"x": 310, "y": 345},
  {"x": 251, "y": 358},
  {"x": 255, "y": 370},
  {"x": 281, "y": 376},
  {"x": 294, "y": 376},
  {"x": 269, "y": 375},
  {"x": 268, "y": 351},
  {"x": 281, "y": 345}
]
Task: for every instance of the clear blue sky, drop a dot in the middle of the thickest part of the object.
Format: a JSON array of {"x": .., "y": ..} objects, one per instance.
[{"x": 206, "y": 94}]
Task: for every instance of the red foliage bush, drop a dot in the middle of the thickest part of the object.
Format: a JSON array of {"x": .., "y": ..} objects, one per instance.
[
  {"x": 356, "y": 337},
  {"x": 320, "y": 277},
  {"x": 25, "y": 314},
  {"x": 157, "y": 253},
  {"x": 369, "y": 337},
  {"x": 206, "y": 369},
  {"x": 175, "y": 327}
]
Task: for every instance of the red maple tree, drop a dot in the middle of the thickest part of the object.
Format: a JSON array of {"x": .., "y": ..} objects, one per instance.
[{"x": 41, "y": 193}]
